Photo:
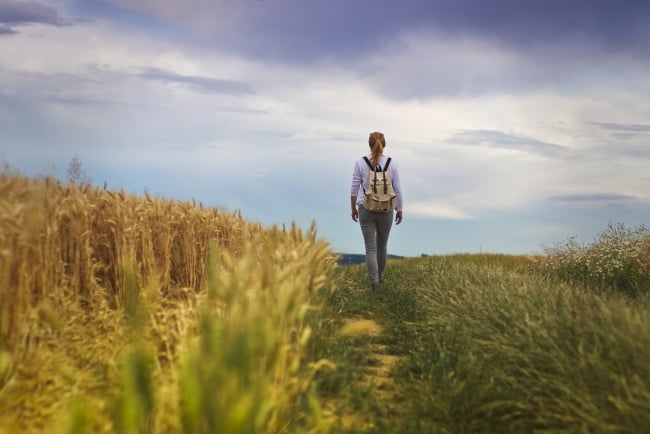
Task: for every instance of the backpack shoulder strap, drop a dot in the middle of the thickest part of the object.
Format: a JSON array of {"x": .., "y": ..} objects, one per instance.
[
  {"x": 387, "y": 164},
  {"x": 373, "y": 169}
]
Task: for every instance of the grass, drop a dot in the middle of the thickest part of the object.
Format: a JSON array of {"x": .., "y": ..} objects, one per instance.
[
  {"x": 127, "y": 314},
  {"x": 486, "y": 345},
  {"x": 618, "y": 260}
]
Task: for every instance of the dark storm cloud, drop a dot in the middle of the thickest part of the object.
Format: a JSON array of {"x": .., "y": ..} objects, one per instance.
[
  {"x": 198, "y": 83},
  {"x": 18, "y": 12},
  {"x": 303, "y": 30},
  {"x": 522, "y": 22},
  {"x": 25, "y": 12},
  {"x": 501, "y": 140}
]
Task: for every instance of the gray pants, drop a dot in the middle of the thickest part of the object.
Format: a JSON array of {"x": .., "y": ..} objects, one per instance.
[{"x": 375, "y": 227}]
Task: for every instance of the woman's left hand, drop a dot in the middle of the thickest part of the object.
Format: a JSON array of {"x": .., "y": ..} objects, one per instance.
[{"x": 398, "y": 217}]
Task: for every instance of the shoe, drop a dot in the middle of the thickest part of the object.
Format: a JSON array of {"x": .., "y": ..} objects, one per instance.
[{"x": 375, "y": 286}]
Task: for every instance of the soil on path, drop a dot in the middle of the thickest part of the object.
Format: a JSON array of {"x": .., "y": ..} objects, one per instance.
[{"x": 376, "y": 375}]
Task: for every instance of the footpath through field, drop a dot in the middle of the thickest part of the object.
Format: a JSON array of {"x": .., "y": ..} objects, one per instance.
[
  {"x": 365, "y": 393},
  {"x": 373, "y": 377}
]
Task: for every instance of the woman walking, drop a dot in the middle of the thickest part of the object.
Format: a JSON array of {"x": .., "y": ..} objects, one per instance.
[{"x": 370, "y": 175}]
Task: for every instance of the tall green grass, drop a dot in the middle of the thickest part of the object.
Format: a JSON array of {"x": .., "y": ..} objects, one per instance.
[{"x": 487, "y": 346}]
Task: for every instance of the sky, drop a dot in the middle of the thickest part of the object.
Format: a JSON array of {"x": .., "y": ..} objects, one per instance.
[{"x": 516, "y": 124}]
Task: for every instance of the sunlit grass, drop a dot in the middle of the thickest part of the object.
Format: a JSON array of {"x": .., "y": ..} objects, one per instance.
[
  {"x": 487, "y": 345},
  {"x": 128, "y": 314}
]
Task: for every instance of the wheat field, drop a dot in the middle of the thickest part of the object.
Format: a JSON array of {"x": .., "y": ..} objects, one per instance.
[{"x": 124, "y": 313}]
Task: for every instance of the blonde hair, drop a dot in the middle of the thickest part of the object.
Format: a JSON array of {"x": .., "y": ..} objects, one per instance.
[{"x": 377, "y": 144}]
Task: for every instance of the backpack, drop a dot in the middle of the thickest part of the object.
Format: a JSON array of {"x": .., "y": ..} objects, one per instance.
[{"x": 380, "y": 195}]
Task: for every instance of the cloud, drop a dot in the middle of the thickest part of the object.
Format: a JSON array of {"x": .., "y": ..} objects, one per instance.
[
  {"x": 298, "y": 31},
  {"x": 437, "y": 210},
  {"x": 596, "y": 198},
  {"x": 627, "y": 140},
  {"x": 501, "y": 140},
  {"x": 20, "y": 12},
  {"x": 12, "y": 11},
  {"x": 197, "y": 83},
  {"x": 25, "y": 12},
  {"x": 6, "y": 30},
  {"x": 523, "y": 25},
  {"x": 643, "y": 129},
  {"x": 181, "y": 108}
]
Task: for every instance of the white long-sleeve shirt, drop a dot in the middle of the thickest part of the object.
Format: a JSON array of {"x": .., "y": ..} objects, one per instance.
[{"x": 361, "y": 176}]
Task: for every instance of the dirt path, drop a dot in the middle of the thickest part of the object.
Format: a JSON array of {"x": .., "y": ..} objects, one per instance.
[{"x": 376, "y": 375}]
